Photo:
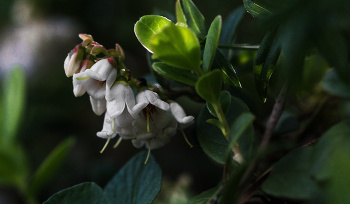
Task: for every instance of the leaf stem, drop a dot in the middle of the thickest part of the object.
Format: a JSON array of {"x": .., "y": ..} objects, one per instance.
[
  {"x": 238, "y": 155},
  {"x": 240, "y": 46}
]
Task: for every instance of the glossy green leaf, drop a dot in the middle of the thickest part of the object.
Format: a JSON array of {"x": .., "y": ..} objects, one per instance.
[
  {"x": 12, "y": 105},
  {"x": 194, "y": 18},
  {"x": 240, "y": 129},
  {"x": 204, "y": 197},
  {"x": 230, "y": 25},
  {"x": 136, "y": 182},
  {"x": 265, "y": 62},
  {"x": 148, "y": 26},
  {"x": 333, "y": 84},
  {"x": 177, "y": 46},
  {"x": 256, "y": 10},
  {"x": 50, "y": 166},
  {"x": 87, "y": 193},
  {"x": 211, "y": 139},
  {"x": 216, "y": 123},
  {"x": 180, "y": 16},
  {"x": 225, "y": 100},
  {"x": 229, "y": 74},
  {"x": 209, "y": 86},
  {"x": 175, "y": 74},
  {"x": 211, "y": 43}
]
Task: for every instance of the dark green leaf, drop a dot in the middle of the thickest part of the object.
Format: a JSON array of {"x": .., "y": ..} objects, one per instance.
[
  {"x": 216, "y": 123},
  {"x": 177, "y": 46},
  {"x": 204, "y": 197},
  {"x": 136, "y": 182},
  {"x": 13, "y": 105},
  {"x": 50, "y": 165},
  {"x": 211, "y": 138},
  {"x": 148, "y": 26},
  {"x": 225, "y": 100},
  {"x": 230, "y": 25},
  {"x": 82, "y": 193},
  {"x": 211, "y": 44},
  {"x": 180, "y": 16},
  {"x": 175, "y": 74},
  {"x": 333, "y": 84},
  {"x": 209, "y": 86},
  {"x": 287, "y": 123},
  {"x": 229, "y": 74},
  {"x": 265, "y": 62},
  {"x": 240, "y": 129},
  {"x": 256, "y": 10},
  {"x": 195, "y": 19}
]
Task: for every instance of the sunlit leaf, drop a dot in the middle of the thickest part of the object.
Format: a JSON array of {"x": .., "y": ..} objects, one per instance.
[
  {"x": 136, "y": 182},
  {"x": 180, "y": 16},
  {"x": 194, "y": 18},
  {"x": 211, "y": 43},
  {"x": 175, "y": 74},
  {"x": 177, "y": 46},
  {"x": 256, "y": 10},
  {"x": 148, "y": 26}
]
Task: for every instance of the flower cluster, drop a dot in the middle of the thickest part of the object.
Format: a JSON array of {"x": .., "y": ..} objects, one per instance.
[{"x": 147, "y": 119}]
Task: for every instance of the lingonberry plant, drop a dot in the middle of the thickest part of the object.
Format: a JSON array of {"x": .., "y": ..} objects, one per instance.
[{"x": 305, "y": 50}]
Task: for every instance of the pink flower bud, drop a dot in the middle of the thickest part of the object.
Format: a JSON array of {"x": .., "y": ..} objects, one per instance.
[
  {"x": 73, "y": 60},
  {"x": 85, "y": 37}
]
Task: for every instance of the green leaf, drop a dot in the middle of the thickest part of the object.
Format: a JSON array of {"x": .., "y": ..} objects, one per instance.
[
  {"x": 229, "y": 74},
  {"x": 50, "y": 166},
  {"x": 175, "y": 74},
  {"x": 204, "y": 197},
  {"x": 240, "y": 129},
  {"x": 230, "y": 25},
  {"x": 195, "y": 19},
  {"x": 148, "y": 26},
  {"x": 288, "y": 122},
  {"x": 177, "y": 46},
  {"x": 209, "y": 86},
  {"x": 225, "y": 100},
  {"x": 333, "y": 84},
  {"x": 256, "y": 10},
  {"x": 211, "y": 43},
  {"x": 211, "y": 139},
  {"x": 13, "y": 105},
  {"x": 216, "y": 123},
  {"x": 136, "y": 182},
  {"x": 180, "y": 16},
  {"x": 265, "y": 62},
  {"x": 87, "y": 193}
]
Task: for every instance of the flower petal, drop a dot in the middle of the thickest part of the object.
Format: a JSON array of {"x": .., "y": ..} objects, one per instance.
[
  {"x": 138, "y": 143},
  {"x": 155, "y": 143},
  {"x": 79, "y": 90},
  {"x": 98, "y": 106},
  {"x": 107, "y": 130},
  {"x": 145, "y": 136},
  {"x": 153, "y": 98},
  {"x": 179, "y": 114},
  {"x": 102, "y": 68}
]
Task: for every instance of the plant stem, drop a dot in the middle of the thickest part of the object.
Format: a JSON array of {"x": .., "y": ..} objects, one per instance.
[
  {"x": 240, "y": 46},
  {"x": 199, "y": 72},
  {"x": 275, "y": 116},
  {"x": 238, "y": 155}
]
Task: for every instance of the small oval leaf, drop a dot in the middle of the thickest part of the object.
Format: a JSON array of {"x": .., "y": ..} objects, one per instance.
[
  {"x": 148, "y": 26},
  {"x": 225, "y": 101},
  {"x": 175, "y": 74},
  {"x": 211, "y": 43},
  {"x": 209, "y": 86}
]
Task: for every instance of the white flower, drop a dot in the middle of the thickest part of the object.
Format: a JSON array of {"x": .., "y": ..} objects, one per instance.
[
  {"x": 73, "y": 60},
  {"x": 180, "y": 115},
  {"x": 107, "y": 130},
  {"x": 98, "y": 106},
  {"x": 79, "y": 90},
  {"x": 121, "y": 107}
]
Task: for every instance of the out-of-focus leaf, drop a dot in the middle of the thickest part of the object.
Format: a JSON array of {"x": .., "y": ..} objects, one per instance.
[
  {"x": 175, "y": 74},
  {"x": 265, "y": 61},
  {"x": 50, "y": 165},
  {"x": 204, "y": 197},
  {"x": 180, "y": 16},
  {"x": 148, "y": 26},
  {"x": 136, "y": 182},
  {"x": 87, "y": 193},
  {"x": 314, "y": 71},
  {"x": 211, "y": 44},
  {"x": 224, "y": 100},
  {"x": 287, "y": 123},
  {"x": 229, "y": 74},
  {"x": 240, "y": 129},
  {"x": 333, "y": 84},
  {"x": 177, "y": 46},
  {"x": 12, "y": 105},
  {"x": 230, "y": 25},
  {"x": 194, "y": 18},
  {"x": 256, "y": 10},
  {"x": 209, "y": 86},
  {"x": 211, "y": 139}
]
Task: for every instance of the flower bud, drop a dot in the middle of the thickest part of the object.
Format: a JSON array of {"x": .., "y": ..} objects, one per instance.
[
  {"x": 98, "y": 49},
  {"x": 120, "y": 52},
  {"x": 73, "y": 60},
  {"x": 85, "y": 37}
]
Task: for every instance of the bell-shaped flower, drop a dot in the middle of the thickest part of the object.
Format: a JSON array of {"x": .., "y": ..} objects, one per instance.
[
  {"x": 73, "y": 61},
  {"x": 80, "y": 89},
  {"x": 180, "y": 115},
  {"x": 107, "y": 130},
  {"x": 121, "y": 106}
]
